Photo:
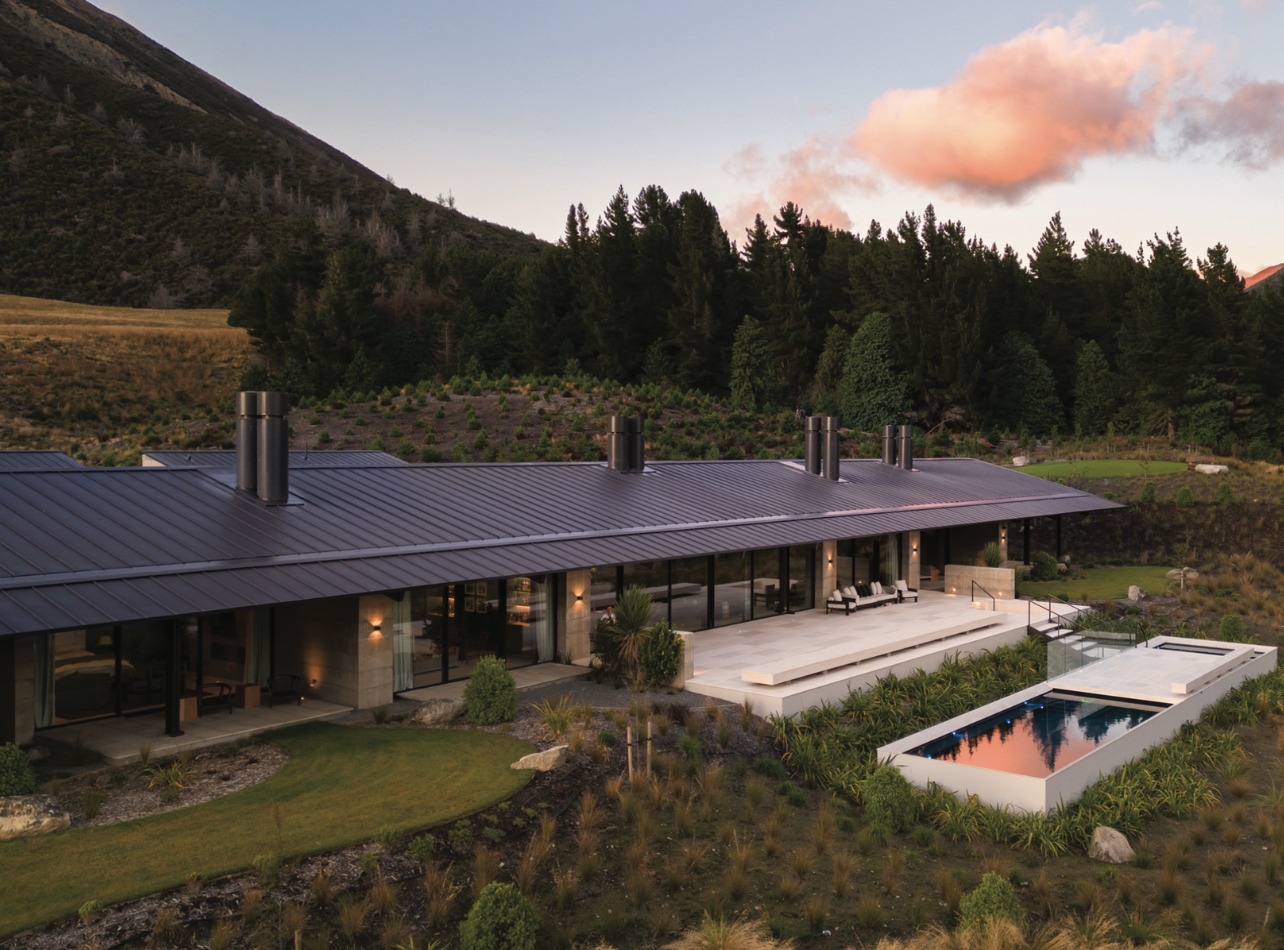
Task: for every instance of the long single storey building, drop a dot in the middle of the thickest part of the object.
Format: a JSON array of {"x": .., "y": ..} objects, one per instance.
[{"x": 201, "y": 578}]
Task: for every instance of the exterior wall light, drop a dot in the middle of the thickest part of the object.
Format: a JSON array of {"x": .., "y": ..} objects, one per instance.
[
  {"x": 376, "y": 628},
  {"x": 579, "y": 598}
]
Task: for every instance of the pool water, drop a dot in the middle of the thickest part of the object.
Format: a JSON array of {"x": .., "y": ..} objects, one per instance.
[{"x": 1040, "y": 735}]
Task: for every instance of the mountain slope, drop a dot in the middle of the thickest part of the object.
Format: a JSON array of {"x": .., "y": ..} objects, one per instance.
[
  {"x": 1266, "y": 277},
  {"x": 133, "y": 176}
]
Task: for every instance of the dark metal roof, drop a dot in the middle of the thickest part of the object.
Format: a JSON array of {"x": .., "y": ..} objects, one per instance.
[
  {"x": 32, "y": 460},
  {"x": 225, "y": 459},
  {"x": 114, "y": 545}
]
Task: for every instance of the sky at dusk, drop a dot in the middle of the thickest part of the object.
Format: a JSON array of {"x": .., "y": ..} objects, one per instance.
[{"x": 1133, "y": 118}]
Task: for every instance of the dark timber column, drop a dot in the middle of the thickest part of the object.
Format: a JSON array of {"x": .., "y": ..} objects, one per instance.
[
  {"x": 709, "y": 590},
  {"x": 1025, "y": 540},
  {"x": 173, "y": 679},
  {"x": 1058, "y": 537},
  {"x": 8, "y": 692}
]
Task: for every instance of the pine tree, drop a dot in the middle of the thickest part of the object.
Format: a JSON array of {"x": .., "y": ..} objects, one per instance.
[
  {"x": 1026, "y": 395},
  {"x": 752, "y": 381},
  {"x": 829, "y": 370},
  {"x": 873, "y": 391},
  {"x": 1093, "y": 386}
]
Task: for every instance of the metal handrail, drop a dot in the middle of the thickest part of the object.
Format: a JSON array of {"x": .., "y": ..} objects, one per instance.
[
  {"x": 993, "y": 601},
  {"x": 1029, "y": 610}
]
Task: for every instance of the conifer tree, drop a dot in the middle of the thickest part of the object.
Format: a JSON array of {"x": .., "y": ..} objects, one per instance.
[
  {"x": 1092, "y": 390},
  {"x": 751, "y": 376},
  {"x": 873, "y": 391}
]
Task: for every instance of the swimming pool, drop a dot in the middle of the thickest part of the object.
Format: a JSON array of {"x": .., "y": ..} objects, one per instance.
[{"x": 1040, "y": 735}]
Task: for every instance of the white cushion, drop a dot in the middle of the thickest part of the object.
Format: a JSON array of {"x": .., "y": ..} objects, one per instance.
[
  {"x": 850, "y": 592},
  {"x": 836, "y": 596},
  {"x": 876, "y": 587}
]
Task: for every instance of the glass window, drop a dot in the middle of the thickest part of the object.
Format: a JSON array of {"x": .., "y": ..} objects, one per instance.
[
  {"x": 474, "y": 628},
  {"x": 732, "y": 600},
  {"x": 890, "y": 549},
  {"x": 856, "y": 559},
  {"x": 653, "y": 577},
  {"x": 767, "y": 599},
  {"x": 602, "y": 592},
  {"x": 226, "y": 648},
  {"x": 528, "y": 634},
  {"x": 689, "y": 593},
  {"x": 84, "y": 674},
  {"x": 802, "y": 586},
  {"x": 144, "y": 652}
]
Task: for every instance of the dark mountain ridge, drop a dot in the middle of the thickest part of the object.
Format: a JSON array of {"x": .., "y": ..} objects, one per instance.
[{"x": 133, "y": 176}]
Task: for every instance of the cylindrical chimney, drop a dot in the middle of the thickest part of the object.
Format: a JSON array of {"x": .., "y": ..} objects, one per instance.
[
  {"x": 811, "y": 445},
  {"x": 907, "y": 448},
  {"x": 274, "y": 448},
  {"x": 617, "y": 444},
  {"x": 637, "y": 443},
  {"x": 889, "y": 445},
  {"x": 247, "y": 440},
  {"x": 831, "y": 448}
]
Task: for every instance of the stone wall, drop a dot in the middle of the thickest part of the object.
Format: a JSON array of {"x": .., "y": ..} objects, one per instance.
[
  {"x": 999, "y": 582},
  {"x": 576, "y": 616},
  {"x": 326, "y": 643}
]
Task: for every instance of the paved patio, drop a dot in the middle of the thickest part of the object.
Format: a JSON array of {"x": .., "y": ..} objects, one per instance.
[
  {"x": 118, "y": 739},
  {"x": 812, "y": 657}
]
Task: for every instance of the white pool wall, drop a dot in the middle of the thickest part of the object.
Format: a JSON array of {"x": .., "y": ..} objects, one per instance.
[{"x": 1031, "y": 794}]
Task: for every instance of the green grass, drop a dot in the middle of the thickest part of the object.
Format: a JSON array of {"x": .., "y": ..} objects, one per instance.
[
  {"x": 1104, "y": 468},
  {"x": 341, "y": 785},
  {"x": 1102, "y": 583}
]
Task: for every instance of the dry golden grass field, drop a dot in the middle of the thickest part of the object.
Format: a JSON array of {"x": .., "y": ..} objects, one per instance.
[{"x": 84, "y": 378}]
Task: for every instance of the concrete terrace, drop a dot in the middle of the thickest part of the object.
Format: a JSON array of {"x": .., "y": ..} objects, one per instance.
[
  {"x": 118, "y": 739},
  {"x": 790, "y": 663}
]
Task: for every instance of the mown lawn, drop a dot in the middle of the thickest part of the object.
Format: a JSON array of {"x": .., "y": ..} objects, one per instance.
[
  {"x": 341, "y": 785},
  {"x": 1102, "y": 583},
  {"x": 1103, "y": 468}
]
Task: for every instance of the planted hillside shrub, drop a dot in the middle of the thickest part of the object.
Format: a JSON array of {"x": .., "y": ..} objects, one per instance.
[
  {"x": 502, "y": 919},
  {"x": 1184, "y": 498},
  {"x": 1147, "y": 493},
  {"x": 17, "y": 777},
  {"x": 1232, "y": 629},
  {"x": 491, "y": 693},
  {"x": 992, "y": 555},
  {"x": 661, "y": 655},
  {"x": 889, "y": 800},
  {"x": 993, "y": 899},
  {"x": 1225, "y": 494},
  {"x": 1043, "y": 567}
]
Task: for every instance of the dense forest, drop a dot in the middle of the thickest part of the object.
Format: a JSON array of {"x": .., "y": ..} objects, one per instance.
[{"x": 919, "y": 322}]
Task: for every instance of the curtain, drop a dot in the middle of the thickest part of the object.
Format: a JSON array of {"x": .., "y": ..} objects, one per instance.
[
  {"x": 891, "y": 551},
  {"x": 44, "y": 698},
  {"x": 403, "y": 645},
  {"x": 542, "y": 617},
  {"x": 258, "y": 652}
]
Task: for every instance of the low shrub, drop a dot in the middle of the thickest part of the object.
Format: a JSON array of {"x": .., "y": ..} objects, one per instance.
[
  {"x": 771, "y": 768},
  {"x": 993, "y": 899},
  {"x": 421, "y": 847},
  {"x": 661, "y": 655},
  {"x": 992, "y": 555},
  {"x": 17, "y": 777},
  {"x": 491, "y": 693},
  {"x": 1148, "y": 493},
  {"x": 889, "y": 800},
  {"x": 605, "y": 646},
  {"x": 502, "y": 919},
  {"x": 1231, "y": 629},
  {"x": 1043, "y": 567},
  {"x": 1185, "y": 499},
  {"x": 91, "y": 909},
  {"x": 1225, "y": 494}
]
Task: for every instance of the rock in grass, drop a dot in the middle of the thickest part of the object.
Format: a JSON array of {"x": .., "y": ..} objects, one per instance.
[
  {"x": 543, "y": 761},
  {"x": 24, "y": 815},
  {"x": 435, "y": 712},
  {"x": 1109, "y": 845}
]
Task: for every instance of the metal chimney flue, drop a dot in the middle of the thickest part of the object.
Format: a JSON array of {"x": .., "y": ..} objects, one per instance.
[
  {"x": 247, "y": 440},
  {"x": 811, "y": 445},
  {"x": 889, "y": 445},
  {"x": 625, "y": 446},
  {"x": 274, "y": 448},
  {"x": 907, "y": 448},
  {"x": 831, "y": 448}
]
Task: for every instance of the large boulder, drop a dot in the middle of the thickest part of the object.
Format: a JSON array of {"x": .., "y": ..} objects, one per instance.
[
  {"x": 1135, "y": 593},
  {"x": 24, "y": 815},
  {"x": 544, "y": 761},
  {"x": 1109, "y": 845},
  {"x": 436, "y": 712}
]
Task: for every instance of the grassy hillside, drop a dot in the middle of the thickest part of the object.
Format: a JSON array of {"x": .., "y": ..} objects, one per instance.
[{"x": 131, "y": 176}]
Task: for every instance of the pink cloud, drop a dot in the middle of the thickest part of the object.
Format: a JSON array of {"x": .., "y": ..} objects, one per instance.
[
  {"x": 813, "y": 176},
  {"x": 1250, "y": 123},
  {"x": 1029, "y": 111}
]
